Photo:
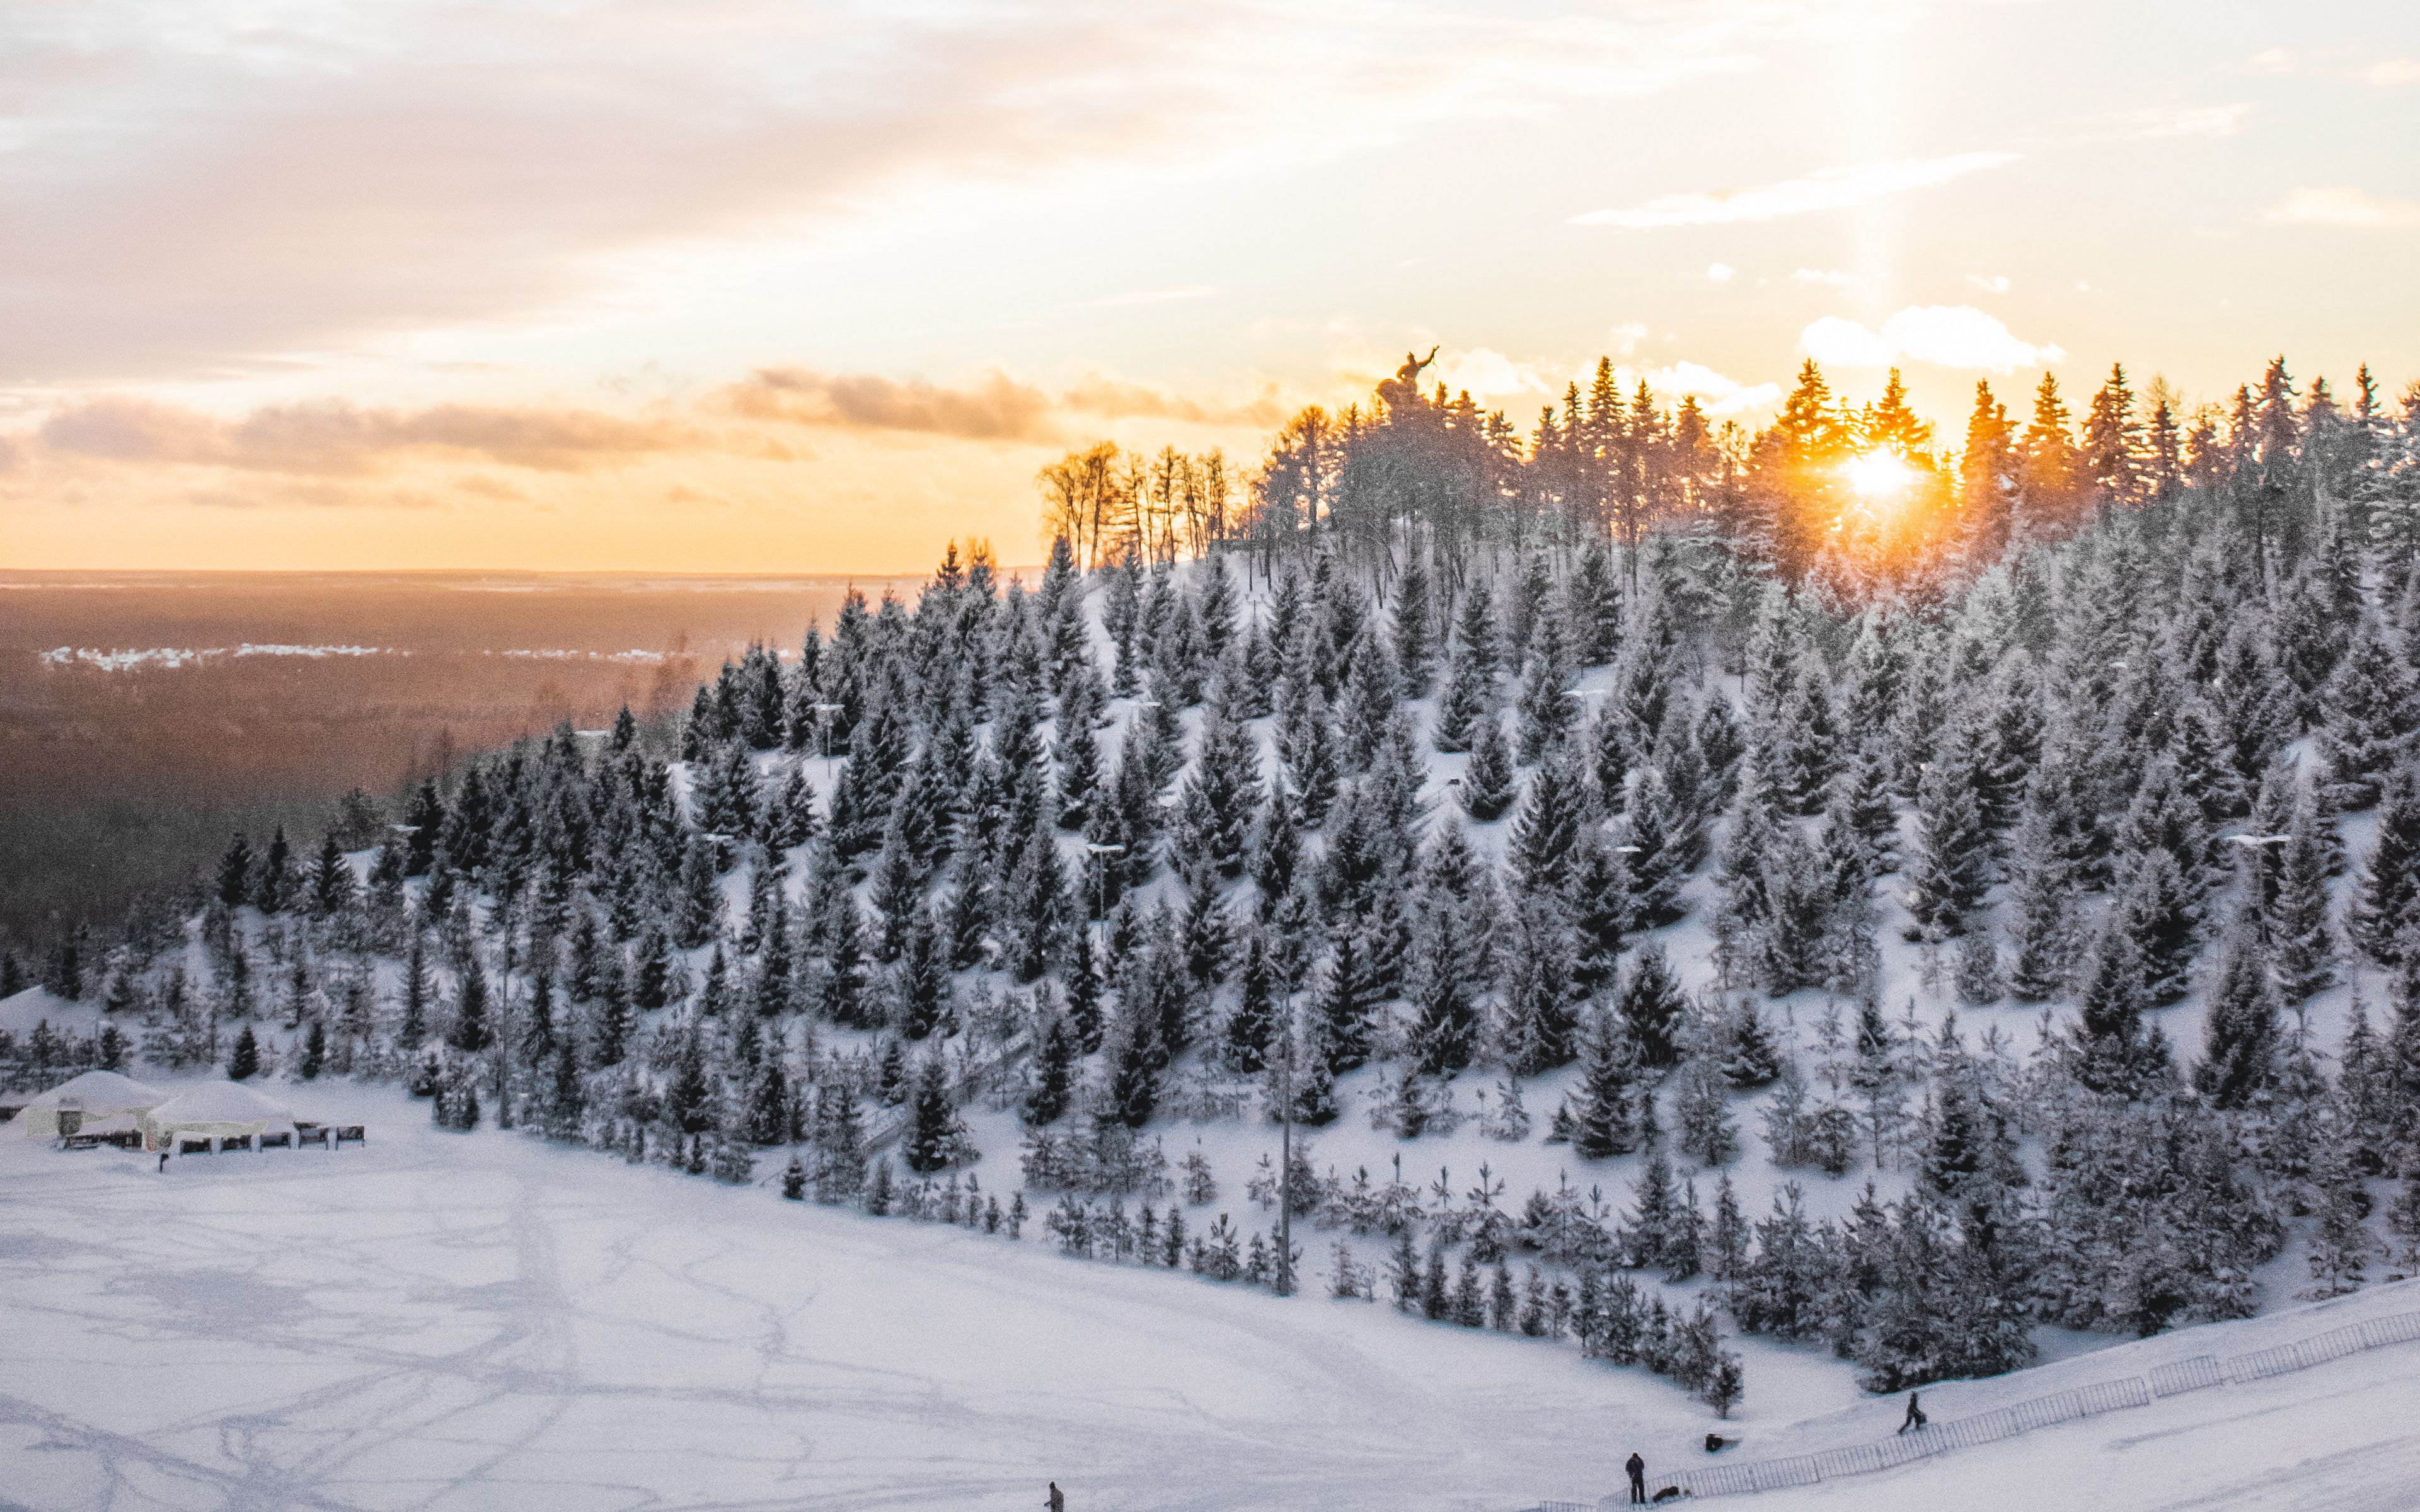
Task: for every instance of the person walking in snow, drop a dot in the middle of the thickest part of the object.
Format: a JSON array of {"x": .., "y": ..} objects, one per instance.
[
  {"x": 1637, "y": 1469},
  {"x": 1056, "y": 1501},
  {"x": 1914, "y": 1418}
]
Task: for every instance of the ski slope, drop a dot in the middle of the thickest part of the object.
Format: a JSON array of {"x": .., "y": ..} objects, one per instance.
[{"x": 454, "y": 1322}]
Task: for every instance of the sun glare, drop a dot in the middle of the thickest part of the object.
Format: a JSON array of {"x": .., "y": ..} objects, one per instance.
[{"x": 1877, "y": 477}]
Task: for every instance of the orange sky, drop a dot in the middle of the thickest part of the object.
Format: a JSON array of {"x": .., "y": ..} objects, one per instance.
[{"x": 757, "y": 286}]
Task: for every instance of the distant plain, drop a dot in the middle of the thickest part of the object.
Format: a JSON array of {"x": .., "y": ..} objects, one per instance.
[{"x": 145, "y": 716}]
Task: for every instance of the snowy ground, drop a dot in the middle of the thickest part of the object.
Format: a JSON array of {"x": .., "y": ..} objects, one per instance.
[
  {"x": 2342, "y": 1437},
  {"x": 443, "y": 1321}
]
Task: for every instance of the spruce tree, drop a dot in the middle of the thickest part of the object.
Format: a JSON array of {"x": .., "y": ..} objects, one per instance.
[
  {"x": 2302, "y": 943},
  {"x": 2383, "y": 910},
  {"x": 934, "y": 1136},
  {"x": 2241, "y": 1036},
  {"x": 1489, "y": 781},
  {"x": 243, "y": 1060},
  {"x": 1537, "y": 1015},
  {"x": 1599, "y": 1112},
  {"x": 1950, "y": 868},
  {"x": 1654, "y": 1006}
]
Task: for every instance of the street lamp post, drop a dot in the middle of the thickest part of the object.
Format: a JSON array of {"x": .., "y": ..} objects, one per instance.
[
  {"x": 2257, "y": 849},
  {"x": 824, "y": 713},
  {"x": 1285, "y": 1158}
]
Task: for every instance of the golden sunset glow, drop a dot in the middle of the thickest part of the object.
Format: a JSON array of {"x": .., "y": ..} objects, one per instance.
[
  {"x": 1879, "y": 478},
  {"x": 755, "y": 286}
]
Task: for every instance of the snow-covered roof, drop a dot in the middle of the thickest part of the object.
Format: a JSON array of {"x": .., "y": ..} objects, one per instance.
[
  {"x": 100, "y": 1092},
  {"x": 219, "y": 1102}
]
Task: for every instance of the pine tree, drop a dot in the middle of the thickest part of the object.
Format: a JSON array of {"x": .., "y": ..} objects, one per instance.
[
  {"x": 1535, "y": 1029},
  {"x": 1599, "y": 1113},
  {"x": 1054, "y": 1075},
  {"x": 934, "y": 1136},
  {"x": 1947, "y": 876},
  {"x": 1654, "y": 1006},
  {"x": 1489, "y": 781},
  {"x": 1546, "y": 831},
  {"x": 243, "y": 1060},
  {"x": 1254, "y": 1023},
  {"x": 2303, "y": 946},
  {"x": 2112, "y": 1052},
  {"x": 1219, "y": 800},
  {"x": 1703, "y": 1110},
  {"x": 469, "y": 1032},
  {"x": 2368, "y": 705},
  {"x": 2241, "y": 1037},
  {"x": 2383, "y": 909}
]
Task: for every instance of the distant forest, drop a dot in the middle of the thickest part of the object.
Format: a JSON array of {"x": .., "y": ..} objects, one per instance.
[{"x": 1423, "y": 472}]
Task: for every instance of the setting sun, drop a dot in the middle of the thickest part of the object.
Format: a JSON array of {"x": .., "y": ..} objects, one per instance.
[{"x": 1879, "y": 477}]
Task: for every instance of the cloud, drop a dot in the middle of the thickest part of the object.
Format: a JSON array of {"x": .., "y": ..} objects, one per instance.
[
  {"x": 1157, "y": 296},
  {"x": 1828, "y": 189},
  {"x": 2342, "y": 205},
  {"x": 1940, "y": 335},
  {"x": 2270, "y": 60},
  {"x": 1626, "y": 338},
  {"x": 996, "y": 408},
  {"x": 179, "y": 201},
  {"x": 1115, "y": 399},
  {"x": 2187, "y": 120},
  {"x": 1995, "y": 283},
  {"x": 2391, "y": 74},
  {"x": 334, "y": 437},
  {"x": 1485, "y": 374},
  {"x": 1829, "y": 278},
  {"x": 1721, "y": 273},
  {"x": 1716, "y": 393}
]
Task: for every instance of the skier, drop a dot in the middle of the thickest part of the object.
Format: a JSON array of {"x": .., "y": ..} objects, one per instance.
[
  {"x": 1058, "y": 1498},
  {"x": 163, "y": 1160},
  {"x": 1637, "y": 1469},
  {"x": 1914, "y": 1418}
]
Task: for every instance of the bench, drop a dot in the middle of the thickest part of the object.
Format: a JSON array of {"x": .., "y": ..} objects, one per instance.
[
  {"x": 355, "y": 1131},
  {"x": 80, "y": 1141},
  {"x": 316, "y": 1134},
  {"x": 277, "y": 1139}
]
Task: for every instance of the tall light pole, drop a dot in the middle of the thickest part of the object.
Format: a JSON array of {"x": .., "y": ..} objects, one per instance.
[
  {"x": 1285, "y": 1159},
  {"x": 1097, "y": 856}
]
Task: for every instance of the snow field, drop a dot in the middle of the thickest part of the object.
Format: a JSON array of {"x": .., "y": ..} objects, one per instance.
[{"x": 447, "y": 1322}]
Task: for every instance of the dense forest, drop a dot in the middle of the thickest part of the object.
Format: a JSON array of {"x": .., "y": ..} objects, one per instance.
[{"x": 2018, "y": 848}]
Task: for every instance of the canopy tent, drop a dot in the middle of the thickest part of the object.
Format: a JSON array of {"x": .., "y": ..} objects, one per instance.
[
  {"x": 214, "y": 1110},
  {"x": 88, "y": 1099}
]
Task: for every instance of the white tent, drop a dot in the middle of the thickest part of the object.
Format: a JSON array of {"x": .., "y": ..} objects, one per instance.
[
  {"x": 214, "y": 1110},
  {"x": 96, "y": 1095}
]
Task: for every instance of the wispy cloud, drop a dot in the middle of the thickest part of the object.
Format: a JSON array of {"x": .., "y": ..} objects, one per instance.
[
  {"x": 1828, "y": 189},
  {"x": 334, "y": 437},
  {"x": 995, "y": 407},
  {"x": 1720, "y": 273},
  {"x": 2343, "y": 206},
  {"x": 1157, "y": 296},
  {"x": 1829, "y": 278},
  {"x": 2393, "y": 73},
  {"x": 182, "y": 200},
  {"x": 1994, "y": 284},
  {"x": 2187, "y": 120},
  {"x": 1939, "y": 336},
  {"x": 1715, "y": 393}
]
